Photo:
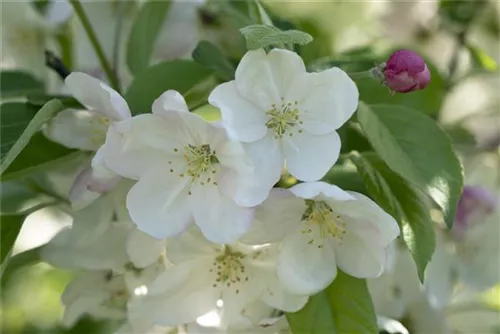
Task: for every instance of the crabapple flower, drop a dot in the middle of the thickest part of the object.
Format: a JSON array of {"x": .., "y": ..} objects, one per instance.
[
  {"x": 282, "y": 113},
  {"x": 405, "y": 71},
  {"x": 86, "y": 129},
  {"x": 322, "y": 227},
  {"x": 204, "y": 273},
  {"x": 186, "y": 168}
]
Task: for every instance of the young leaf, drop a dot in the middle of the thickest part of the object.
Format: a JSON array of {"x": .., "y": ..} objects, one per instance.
[
  {"x": 404, "y": 202},
  {"x": 344, "y": 307},
  {"x": 259, "y": 36},
  {"x": 413, "y": 146},
  {"x": 18, "y": 127},
  {"x": 209, "y": 55},
  {"x": 481, "y": 59},
  {"x": 144, "y": 33},
  {"x": 10, "y": 226},
  {"x": 17, "y": 83},
  {"x": 180, "y": 75}
]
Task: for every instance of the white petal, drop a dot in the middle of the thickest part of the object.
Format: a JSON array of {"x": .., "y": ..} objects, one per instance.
[
  {"x": 309, "y": 157},
  {"x": 78, "y": 129},
  {"x": 275, "y": 295},
  {"x": 310, "y": 190},
  {"x": 274, "y": 218},
  {"x": 135, "y": 146},
  {"x": 243, "y": 119},
  {"x": 331, "y": 99},
  {"x": 360, "y": 257},
  {"x": 239, "y": 295},
  {"x": 143, "y": 249},
  {"x": 289, "y": 74},
  {"x": 255, "y": 81},
  {"x": 191, "y": 245},
  {"x": 171, "y": 100},
  {"x": 218, "y": 216},
  {"x": 367, "y": 212},
  {"x": 178, "y": 296},
  {"x": 158, "y": 204},
  {"x": 267, "y": 160},
  {"x": 79, "y": 194},
  {"x": 306, "y": 267},
  {"x": 97, "y": 96}
]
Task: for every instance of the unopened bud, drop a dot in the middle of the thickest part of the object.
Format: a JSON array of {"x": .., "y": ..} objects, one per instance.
[{"x": 405, "y": 71}]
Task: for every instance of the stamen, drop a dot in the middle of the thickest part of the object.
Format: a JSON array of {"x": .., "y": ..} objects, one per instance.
[{"x": 282, "y": 118}]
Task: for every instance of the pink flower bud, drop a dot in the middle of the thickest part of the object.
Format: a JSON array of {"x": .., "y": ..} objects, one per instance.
[
  {"x": 405, "y": 71},
  {"x": 474, "y": 206}
]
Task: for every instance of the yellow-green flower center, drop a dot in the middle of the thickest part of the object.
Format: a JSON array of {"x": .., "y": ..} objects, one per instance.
[
  {"x": 319, "y": 214},
  {"x": 201, "y": 163},
  {"x": 282, "y": 118},
  {"x": 229, "y": 268}
]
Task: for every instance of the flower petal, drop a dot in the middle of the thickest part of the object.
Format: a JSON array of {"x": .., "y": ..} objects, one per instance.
[
  {"x": 78, "y": 129},
  {"x": 220, "y": 219},
  {"x": 306, "y": 267},
  {"x": 360, "y": 257},
  {"x": 255, "y": 81},
  {"x": 242, "y": 119},
  {"x": 366, "y": 212},
  {"x": 275, "y": 295},
  {"x": 158, "y": 204},
  {"x": 289, "y": 74},
  {"x": 191, "y": 245},
  {"x": 143, "y": 249},
  {"x": 310, "y": 190},
  {"x": 309, "y": 157},
  {"x": 171, "y": 100},
  {"x": 97, "y": 96},
  {"x": 331, "y": 99},
  {"x": 280, "y": 213}
]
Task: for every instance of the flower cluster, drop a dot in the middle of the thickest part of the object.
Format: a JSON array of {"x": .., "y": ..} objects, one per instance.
[{"x": 202, "y": 229}]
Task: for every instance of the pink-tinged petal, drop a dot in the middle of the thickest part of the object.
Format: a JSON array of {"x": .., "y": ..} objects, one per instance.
[
  {"x": 310, "y": 190},
  {"x": 305, "y": 264},
  {"x": 331, "y": 99},
  {"x": 158, "y": 204},
  {"x": 243, "y": 119},
  {"x": 220, "y": 219},
  {"x": 169, "y": 101},
  {"x": 309, "y": 157},
  {"x": 97, "y": 96},
  {"x": 255, "y": 81}
]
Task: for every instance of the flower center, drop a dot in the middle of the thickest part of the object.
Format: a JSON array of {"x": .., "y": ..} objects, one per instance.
[
  {"x": 283, "y": 118},
  {"x": 201, "y": 161},
  {"x": 320, "y": 214},
  {"x": 99, "y": 126},
  {"x": 229, "y": 268}
]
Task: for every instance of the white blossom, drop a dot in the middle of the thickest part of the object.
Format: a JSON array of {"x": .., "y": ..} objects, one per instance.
[
  {"x": 204, "y": 273},
  {"x": 186, "y": 168},
  {"x": 282, "y": 113},
  {"x": 323, "y": 227}
]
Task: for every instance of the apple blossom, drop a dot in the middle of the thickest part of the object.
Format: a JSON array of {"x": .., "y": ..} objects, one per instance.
[
  {"x": 323, "y": 227},
  {"x": 405, "y": 71},
  {"x": 203, "y": 273},
  {"x": 282, "y": 113},
  {"x": 185, "y": 167}
]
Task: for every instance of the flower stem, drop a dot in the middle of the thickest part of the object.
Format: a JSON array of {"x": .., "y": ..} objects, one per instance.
[
  {"x": 112, "y": 78},
  {"x": 361, "y": 75}
]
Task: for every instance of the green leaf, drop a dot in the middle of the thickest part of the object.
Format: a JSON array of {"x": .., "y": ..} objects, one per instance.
[
  {"x": 40, "y": 154},
  {"x": 408, "y": 205},
  {"x": 10, "y": 226},
  {"x": 17, "y": 83},
  {"x": 209, "y": 55},
  {"x": 19, "y": 125},
  {"x": 144, "y": 34},
  {"x": 481, "y": 59},
  {"x": 344, "y": 307},
  {"x": 314, "y": 318},
  {"x": 259, "y": 36},
  {"x": 180, "y": 75},
  {"x": 414, "y": 146},
  {"x": 17, "y": 199}
]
